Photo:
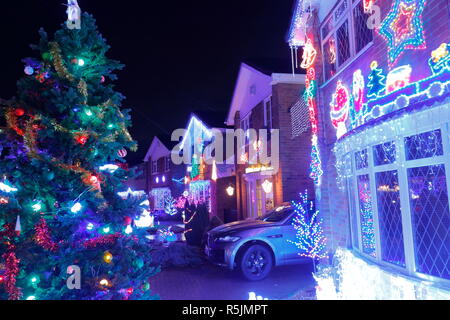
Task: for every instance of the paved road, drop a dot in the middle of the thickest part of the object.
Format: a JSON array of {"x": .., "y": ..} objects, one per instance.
[{"x": 209, "y": 282}]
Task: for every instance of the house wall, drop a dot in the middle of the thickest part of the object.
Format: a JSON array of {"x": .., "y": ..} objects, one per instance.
[
  {"x": 292, "y": 177},
  {"x": 334, "y": 201},
  {"x": 225, "y": 205},
  {"x": 295, "y": 153}
]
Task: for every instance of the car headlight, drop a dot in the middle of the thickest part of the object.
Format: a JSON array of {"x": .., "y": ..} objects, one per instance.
[{"x": 228, "y": 239}]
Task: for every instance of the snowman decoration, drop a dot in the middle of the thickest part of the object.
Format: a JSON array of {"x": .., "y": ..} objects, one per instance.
[
  {"x": 73, "y": 15},
  {"x": 340, "y": 106}
]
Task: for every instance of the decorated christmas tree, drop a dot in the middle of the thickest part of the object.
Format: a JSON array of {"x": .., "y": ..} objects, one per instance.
[
  {"x": 310, "y": 239},
  {"x": 65, "y": 233}
]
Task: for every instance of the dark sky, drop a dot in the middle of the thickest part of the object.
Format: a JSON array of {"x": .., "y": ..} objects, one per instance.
[{"x": 180, "y": 56}]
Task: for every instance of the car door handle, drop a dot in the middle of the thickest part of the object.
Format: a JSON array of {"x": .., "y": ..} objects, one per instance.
[{"x": 275, "y": 236}]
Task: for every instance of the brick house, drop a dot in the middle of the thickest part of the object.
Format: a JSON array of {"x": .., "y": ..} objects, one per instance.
[
  {"x": 264, "y": 99},
  {"x": 205, "y": 181},
  {"x": 383, "y": 114},
  {"x": 163, "y": 179}
]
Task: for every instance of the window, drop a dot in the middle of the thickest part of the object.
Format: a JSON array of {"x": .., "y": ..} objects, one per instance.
[
  {"x": 343, "y": 42},
  {"x": 245, "y": 125},
  {"x": 366, "y": 215},
  {"x": 155, "y": 166},
  {"x": 344, "y": 35},
  {"x": 330, "y": 57},
  {"x": 353, "y": 213},
  {"x": 431, "y": 219},
  {"x": 399, "y": 192},
  {"x": 425, "y": 145},
  {"x": 390, "y": 217},
  {"x": 384, "y": 153},
  {"x": 268, "y": 113},
  {"x": 363, "y": 35},
  {"x": 168, "y": 160},
  {"x": 362, "y": 159}
]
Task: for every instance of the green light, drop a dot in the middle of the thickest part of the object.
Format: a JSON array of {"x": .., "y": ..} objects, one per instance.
[
  {"x": 81, "y": 62},
  {"x": 31, "y": 298},
  {"x": 36, "y": 207},
  {"x": 110, "y": 126},
  {"x": 106, "y": 229},
  {"x": 88, "y": 112},
  {"x": 34, "y": 280}
]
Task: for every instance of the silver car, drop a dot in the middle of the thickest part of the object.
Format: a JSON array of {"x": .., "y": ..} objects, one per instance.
[{"x": 254, "y": 247}]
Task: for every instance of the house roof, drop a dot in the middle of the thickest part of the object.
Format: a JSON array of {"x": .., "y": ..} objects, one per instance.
[
  {"x": 252, "y": 86},
  {"x": 156, "y": 150},
  {"x": 211, "y": 118}
]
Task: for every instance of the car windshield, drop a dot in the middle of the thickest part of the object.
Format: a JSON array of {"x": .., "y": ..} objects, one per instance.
[{"x": 277, "y": 215}]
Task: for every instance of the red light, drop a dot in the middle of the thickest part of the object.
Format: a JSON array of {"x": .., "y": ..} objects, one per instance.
[{"x": 94, "y": 180}]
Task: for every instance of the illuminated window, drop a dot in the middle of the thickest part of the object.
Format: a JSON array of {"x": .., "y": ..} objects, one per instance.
[
  {"x": 366, "y": 215},
  {"x": 344, "y": 35},
  {"x": 268, "y": 113},
  {"x": 431, "y": 219},
  {"x": 424, "y": 145},
  {"x": 343, "y": 43},
  {"x": 390, "y": 217},
  {"x": 363, "y": 35},
  {"x": 399, "y": 192}
]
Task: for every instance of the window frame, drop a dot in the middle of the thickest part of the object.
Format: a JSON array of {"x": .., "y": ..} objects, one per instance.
[
  {"x": 347, "y": 15},
  {"x": 268, "y": 123},
  {"x": 245, "y": 125},
  {"x": 401, "y": 165},
  {"x": 167, "y": 164},
  {"x": 154, "y": 166}
]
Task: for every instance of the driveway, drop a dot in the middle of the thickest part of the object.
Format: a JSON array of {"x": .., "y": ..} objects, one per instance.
[{"x": 209, "y": 282}]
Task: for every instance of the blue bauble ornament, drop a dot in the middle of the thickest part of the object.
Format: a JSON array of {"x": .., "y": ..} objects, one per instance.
[{"x": 29, "y": 70}]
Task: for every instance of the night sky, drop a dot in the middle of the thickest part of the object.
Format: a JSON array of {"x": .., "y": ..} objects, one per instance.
[{"x": 180, "y": 56}]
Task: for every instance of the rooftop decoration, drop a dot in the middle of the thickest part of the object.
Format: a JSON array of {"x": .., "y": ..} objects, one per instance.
[{"x": 297, "y": 32}]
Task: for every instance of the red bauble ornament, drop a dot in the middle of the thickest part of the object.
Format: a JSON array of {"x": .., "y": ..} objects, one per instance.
[
  {"x": 130, "y": 290},
  {"x": 74, "y": 61},
  {"x": 82, "y": 138},
  {"x": 19, "y": 112},
  {"x": 122, "y": 153},
  {"x": 127, "y": 220}
]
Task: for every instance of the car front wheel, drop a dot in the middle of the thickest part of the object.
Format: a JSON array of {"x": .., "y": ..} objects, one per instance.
[{"x": 256, "y": 262}]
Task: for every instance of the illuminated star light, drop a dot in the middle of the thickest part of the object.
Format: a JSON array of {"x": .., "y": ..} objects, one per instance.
[{"x": 403, "y": 28}]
